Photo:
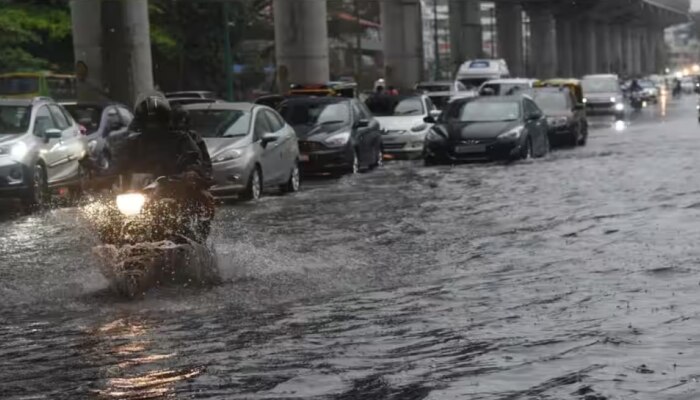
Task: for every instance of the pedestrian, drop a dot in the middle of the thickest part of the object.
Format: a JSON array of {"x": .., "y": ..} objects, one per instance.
[{"x": 391, "y": 91}]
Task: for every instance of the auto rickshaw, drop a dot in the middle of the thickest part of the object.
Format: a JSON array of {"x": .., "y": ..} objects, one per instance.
[
  {"x": 335, "y": 88},
  {"x": 574, "y": 86}
]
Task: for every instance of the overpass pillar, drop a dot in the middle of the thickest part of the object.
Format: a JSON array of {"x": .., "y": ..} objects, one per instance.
[
  {"x": 301, "y": 42},
  {"x": 617, "y": 51},
  {"x": 604, "y": 47},
  {"x": 590, "y": 47},
  {"x": 509, "y": 22},
  {"x": 660, "y": 42},
  {"x": 636, "y": 51},
  {"x": 465, "y": 31},
  {"x": 578, "y": 55},
  {"x": 112, "y": 46},
  {"x": 565, "y": 48},
  {"x": 544, "y": 42},
  {"x": 403, "y": 42},
  {"x": 652, "y": 49}
]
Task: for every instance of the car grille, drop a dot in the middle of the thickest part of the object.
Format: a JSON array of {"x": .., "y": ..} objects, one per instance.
[
  {"x": 308, "y": 147},
  {"x": 393, "y": 146}
]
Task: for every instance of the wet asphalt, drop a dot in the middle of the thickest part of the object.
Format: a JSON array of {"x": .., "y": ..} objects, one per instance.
[{"x": 575, "y": 276}]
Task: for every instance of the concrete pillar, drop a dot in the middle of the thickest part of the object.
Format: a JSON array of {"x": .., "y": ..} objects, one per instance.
[
  {"x": 604, "y": 47},
  {"x": 590, "y": 47},
  {"x": 465, "y": 31},
  {"x": 636, "y": 51},
  {"x": 403, "y": 42},
  {"x": 650, "y": 42},
  {"x": 578, "y": 56},
  {"x": 301, "y": 42},
  {"x": 661, "y": 60},
  {"x": 565, "y": 50},
  {"x": 543, "y": 41},
  {"x": 617, "y": 51},
  {"x": 509, "y": 26},
  {"x": 112, "y": 46}
]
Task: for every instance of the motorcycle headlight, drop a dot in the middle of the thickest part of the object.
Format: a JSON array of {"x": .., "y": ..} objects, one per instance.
[
  {"x": 338, "y": 140},
  {"x": 227, "y": 156},
  {"x": 419, "y": 128},
  {"x": 130, "y": 204},
  {"x": 619, "y": 107},
  {"x": 434, "y": 136},
  {"x": 512, "y": 134}
]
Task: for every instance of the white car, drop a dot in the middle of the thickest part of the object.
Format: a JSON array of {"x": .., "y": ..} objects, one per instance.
[
  {"x": 504, "y": 87},
  {"x": 441, "y": 92},
  {"x": 402, "y": 120}
]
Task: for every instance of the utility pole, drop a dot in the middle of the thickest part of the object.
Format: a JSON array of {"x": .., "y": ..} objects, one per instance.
[
  {"x": 436, "y": 39},
  {"x": 358, "y": 43},
  {"x": 227, "y": 52}
]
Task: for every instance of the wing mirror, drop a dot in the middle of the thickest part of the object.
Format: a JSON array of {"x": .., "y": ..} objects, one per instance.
[
  {"x": 363, "y": 123},
  {"x": 268, "y": 138},
  {"x": 534, "y": 117},
  {"x": 429, "y": 119},
  {"x": 52, "y": 133}
]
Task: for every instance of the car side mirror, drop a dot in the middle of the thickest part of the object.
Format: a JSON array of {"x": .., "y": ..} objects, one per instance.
[
  {"x": 52, "y": 133},
  {"x": 363, "y": 123},
  {"x": 429, "y": 119},
  {"x": 534, "y": 117},
  {"x": 267, "y": 138}
]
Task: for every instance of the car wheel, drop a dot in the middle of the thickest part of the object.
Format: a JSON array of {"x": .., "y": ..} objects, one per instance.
[
  {"x": 253, "y": 190},
  {"x": 526, "y": 152},
  {"x": 294, "y": 182},
  {"x": 380, "y": 159},
  {"x": 39, "y": 195}
]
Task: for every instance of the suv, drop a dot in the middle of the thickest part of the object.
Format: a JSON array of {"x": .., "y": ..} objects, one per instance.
[{"x": 41, "y": 148}]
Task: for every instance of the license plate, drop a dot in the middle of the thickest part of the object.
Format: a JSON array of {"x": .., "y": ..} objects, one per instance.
[
  {"x": 477, "y": 148},
  {"x": 303, "y": 157}
]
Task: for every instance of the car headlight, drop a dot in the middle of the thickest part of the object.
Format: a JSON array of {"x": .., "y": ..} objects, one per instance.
[
  {"x": 557, "y": 121},
  {"x": 338, "y": 140},
  {"x": 17, "y": 151},
  {"x": 227, "y": 156},
  {"x": 585, "y": 100},
  {"x": 419, "y": 128},
  {"x": 512, "y": 134},
  {"x": 130, "y": 204},
  {"x": 619, "y": 107},
  {"x": 434, "y": 136},
  {"x": 613, "y": 99}
]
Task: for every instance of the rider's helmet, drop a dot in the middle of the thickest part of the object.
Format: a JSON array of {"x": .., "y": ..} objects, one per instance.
[{"x": 153, "y": 113}]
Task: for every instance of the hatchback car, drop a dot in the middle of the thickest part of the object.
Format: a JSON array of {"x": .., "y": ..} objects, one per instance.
[
  {"x": 603, "y": 95},
  {"x": 565, "y": 117},
  {"x": 336, "y": 135},
  {"x": 41, "y": 148},
  {"x": 104, "y": 125},
  {"x": 401, "y": 119},
  {"x": 251, "y": 147},
  {"x": 487, "y": 128}
]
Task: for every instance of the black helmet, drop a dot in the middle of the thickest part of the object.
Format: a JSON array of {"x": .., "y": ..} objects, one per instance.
[{"x": 153, "y": 111}]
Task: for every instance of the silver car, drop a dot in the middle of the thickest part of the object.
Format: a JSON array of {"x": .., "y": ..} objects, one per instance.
[
  {"x": 41, "y": 148},
  {"x": 252, "y": 148},
  {"x": 402, "y": 119}
]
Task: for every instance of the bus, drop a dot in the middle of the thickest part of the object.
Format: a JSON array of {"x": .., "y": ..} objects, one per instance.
[{"x": 27, "y": 85}]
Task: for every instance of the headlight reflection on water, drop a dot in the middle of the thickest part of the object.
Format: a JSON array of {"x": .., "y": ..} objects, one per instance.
[
  {"x": 131, "y": 204},
  {"x": 620, "y": 126}
]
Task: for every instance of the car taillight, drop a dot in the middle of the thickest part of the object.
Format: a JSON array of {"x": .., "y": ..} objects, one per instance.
[{"x": 83, "y": 130}]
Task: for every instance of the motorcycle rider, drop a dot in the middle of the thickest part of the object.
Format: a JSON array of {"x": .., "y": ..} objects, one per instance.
[{"x": 160, "y": 144}]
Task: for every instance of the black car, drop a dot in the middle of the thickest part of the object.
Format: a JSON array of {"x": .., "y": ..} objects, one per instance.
[
  {"x": 487, "y": 128},
  {"x": 336, "y": 134},
  {"x": 566, "y": 118},
  {"x": 105, "y": 125}
]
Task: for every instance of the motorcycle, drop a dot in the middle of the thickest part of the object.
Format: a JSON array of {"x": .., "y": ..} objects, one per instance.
[
  {"x": 154, "y": 236},
  {"x": 637, "y": 101}
]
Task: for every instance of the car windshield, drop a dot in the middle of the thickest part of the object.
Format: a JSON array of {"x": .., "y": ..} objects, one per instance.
[
  {"x": 88, "y": 116},
  {"x": 600, "y": 85},
  {"x": 18, "y": 85},
  {"x": 390, "y": 106},
  {"x": 14, "y": 119},
  {"x": 552, "y": 102},
  {"x": 220, "y": 123},
  {"x": 316, "y": 113},
  {"x": 484, "y": 111}
]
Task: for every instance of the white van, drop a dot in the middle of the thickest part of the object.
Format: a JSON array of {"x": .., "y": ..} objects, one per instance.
[{"x": 474, "y": 73}]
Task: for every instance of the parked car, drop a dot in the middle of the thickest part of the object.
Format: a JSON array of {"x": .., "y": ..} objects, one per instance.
[
  {"x": 41, "y": 149},
  {"x": 401, "y": 119},
  {"x": 487, "y": 128},
  {"x": 183, "y": 101},
  {"x": 192, "y": 94},
  {"x": 104, "y": 126},
  {"x": 566, "y": 118},
  {"x": 650, "y": 92},
  {"x": 473, "y": 73},
  {"x": 603, "y": 95},
  {"x": 251, "y": 147},
  {"x": 504, "y": 87},
  {"x": 336, "y": 135},
  {"x": 440, "y": 92}
]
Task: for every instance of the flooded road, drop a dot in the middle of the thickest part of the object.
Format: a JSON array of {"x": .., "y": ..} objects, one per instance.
[{"x": 570, "y": 277}]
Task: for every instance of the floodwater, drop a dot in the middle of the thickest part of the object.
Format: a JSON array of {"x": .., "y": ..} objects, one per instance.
[{"x": 569, "y": 277}]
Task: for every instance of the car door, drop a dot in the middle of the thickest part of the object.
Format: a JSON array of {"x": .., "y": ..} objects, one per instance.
[
  {"x": 277, "y": 151},
  {"x": 50, "y": 152},
  {"x": 537, "y": 127},
  {"x": 71, "y": 145},
  {"x": 261, "y": 127}
]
